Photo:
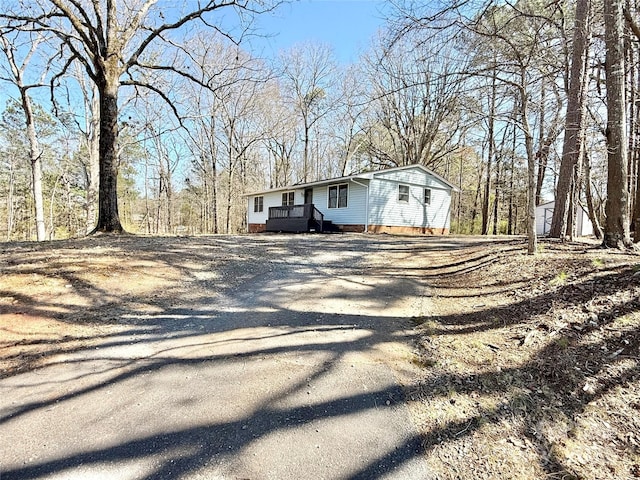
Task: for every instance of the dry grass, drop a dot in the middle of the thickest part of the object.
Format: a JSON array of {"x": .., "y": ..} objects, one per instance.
[
  {"x": 533, "y": 364},
  {"x": 530, "y": 365}
]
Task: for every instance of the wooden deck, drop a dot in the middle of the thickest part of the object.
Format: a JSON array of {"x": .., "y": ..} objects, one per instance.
[{"x": 297, "y": 219}]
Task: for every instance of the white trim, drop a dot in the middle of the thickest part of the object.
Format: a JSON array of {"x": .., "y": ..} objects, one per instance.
[
  {"x": 424, "y": 192},
  {"x": 337, "y": 207},
  {"x": 288, "y": 193},
  {"x": 261, "y": 204},
  {"x": 366, "y": 204},
  {"x": 400, "y": 185}
]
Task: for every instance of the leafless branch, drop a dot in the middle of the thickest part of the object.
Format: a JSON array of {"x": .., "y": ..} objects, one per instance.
[
  {"x": 210, "y": 6},
  {"x": 631, "y": 21},
  {"x": 148, "y": 86}
]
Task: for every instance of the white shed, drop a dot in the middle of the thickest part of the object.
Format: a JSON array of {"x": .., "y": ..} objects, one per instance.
[
  {"x": 410, "y": 199},
  {"x": 544, "y": 214}
]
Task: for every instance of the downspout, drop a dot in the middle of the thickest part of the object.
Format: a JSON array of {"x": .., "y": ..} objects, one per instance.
[
  {"x": 366, "y": 204},
  {"x": 248, "y": 207}
]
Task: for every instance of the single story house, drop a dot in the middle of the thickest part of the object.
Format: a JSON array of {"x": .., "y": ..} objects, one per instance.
[
  {"x": 544, "y": 214},
  {"x": 410, "y": 199}
]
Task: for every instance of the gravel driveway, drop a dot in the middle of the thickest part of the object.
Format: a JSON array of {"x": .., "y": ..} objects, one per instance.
[{"x": 284, "y": 360}]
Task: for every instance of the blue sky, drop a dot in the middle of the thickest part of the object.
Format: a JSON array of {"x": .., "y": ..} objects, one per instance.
[{"x": 347, "y": 25}]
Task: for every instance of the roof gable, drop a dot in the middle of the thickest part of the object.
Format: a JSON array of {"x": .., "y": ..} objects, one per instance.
[
  {"x": 364, "y": 175},
  {"x": 416, "y": 168}
]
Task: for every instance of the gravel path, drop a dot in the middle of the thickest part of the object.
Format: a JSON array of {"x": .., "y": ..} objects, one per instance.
[{"x": 286, "y": 364}]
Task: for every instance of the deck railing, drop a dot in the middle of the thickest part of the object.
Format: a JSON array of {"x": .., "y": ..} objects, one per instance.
[
  {"x": 289, "y": 211},
  {"x": 317, "y": 215},
  {"x": 307, "y": 211}
]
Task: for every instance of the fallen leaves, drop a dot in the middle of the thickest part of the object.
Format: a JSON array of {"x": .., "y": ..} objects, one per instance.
[{"x": 563, "y": 329}]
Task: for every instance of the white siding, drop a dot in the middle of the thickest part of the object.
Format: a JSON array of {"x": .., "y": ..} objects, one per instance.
[
  {"x": 386, "y": 209},
  {"x": 415, "y": 176},
  {"x": 584, "y": 225},
  {"x": 271, "y": 199},
  {"x": 354, "y": 214},
  {"x": 383, "y": 205},
  {"x": 544, "y": 212}
]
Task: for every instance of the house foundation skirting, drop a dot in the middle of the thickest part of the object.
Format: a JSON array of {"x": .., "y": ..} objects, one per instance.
[
  {"x": 257, "y": 227},
  {"x": 351, "y": 228},
  {"x": 355, "y": 228},
  {"x": 394, "y": 229}
]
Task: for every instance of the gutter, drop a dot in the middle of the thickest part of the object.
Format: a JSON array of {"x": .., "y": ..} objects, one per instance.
[{"x": 366, "y": 202}]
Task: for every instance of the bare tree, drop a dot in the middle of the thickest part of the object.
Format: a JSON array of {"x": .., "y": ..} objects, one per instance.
[
  {"x": 522, "y": 38},
  {"x": 633, "y": 52},
  {"x": 238, "y": 133},
  {"x": 616, "y": 232},
  {"x": 517, "y": 37},
  {"x": 348, "y": 125},
  {"x": 223, "y": 120},
  {"x": 110, "y": 41},
  {"x": 573, "y": 146},
  {"x": 85, "y": 121},
  {"x": 415, "y": 98},
  {"x": 549, "y": 129},
  {"x": 491, "y": 147},
  {"x": 309, "y": 74},
  {"x": 280, "y": 141},
  {"x": 17, "y": 70}
]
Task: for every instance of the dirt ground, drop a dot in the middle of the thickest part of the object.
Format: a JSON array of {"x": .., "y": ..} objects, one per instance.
[{"x": 529, "y": 365}]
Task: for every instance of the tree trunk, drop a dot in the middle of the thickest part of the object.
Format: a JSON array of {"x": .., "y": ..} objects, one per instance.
[
  {"x": 10, "y": 201},
  {"x": 616, "y": 234},
  {"x": 636, "y": 207},
  {"x": 214, "y": 195},
  {"x": 229, "y": 192},
  {"x": 497, "y": 198},
  {"x": 93, "y": 169},
  {"x": 108, "y": 216},
  {"x": 511, "y": 229},
  {"x": 459, "y": 205},
  {"x": 474, "y": 210},
  {"x": 634, "y": 143},
  {"x": 532, "y": 241},
  {"x": 573, "y": 144},
  {"x": 543, "y": 151},
  {"x": 305, "y": 153},
  {"x": 593, "y": 215},
  {"x": 35, "y": 155},
  {"x": 168, "y": 192},
  {"x": 487, "y": 188},
  {"x": 93, "y": 185}
]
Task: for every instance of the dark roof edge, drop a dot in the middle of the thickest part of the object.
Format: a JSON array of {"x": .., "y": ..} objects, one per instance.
[{"x": 363, "y": 175}]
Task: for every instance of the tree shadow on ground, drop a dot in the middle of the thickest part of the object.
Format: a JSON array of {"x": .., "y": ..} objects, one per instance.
[
  {"x": 549, "y": 382},
  {"x": 579, "y": 344},
  {"x": 184, "y": 451},
  {"x": 201, "y": 338}
]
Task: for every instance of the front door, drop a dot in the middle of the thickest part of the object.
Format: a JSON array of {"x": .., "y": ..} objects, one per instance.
[{"x": 308, "y": 195}]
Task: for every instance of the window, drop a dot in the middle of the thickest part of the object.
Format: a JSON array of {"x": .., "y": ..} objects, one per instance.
[
  {"x": 403, "y": 193},
  {"x": 288, "y": 198},
  {"x": 258, "y": 204},
  {"x": 427, "y": 196},
  {"x": 338, "y": 196}
]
